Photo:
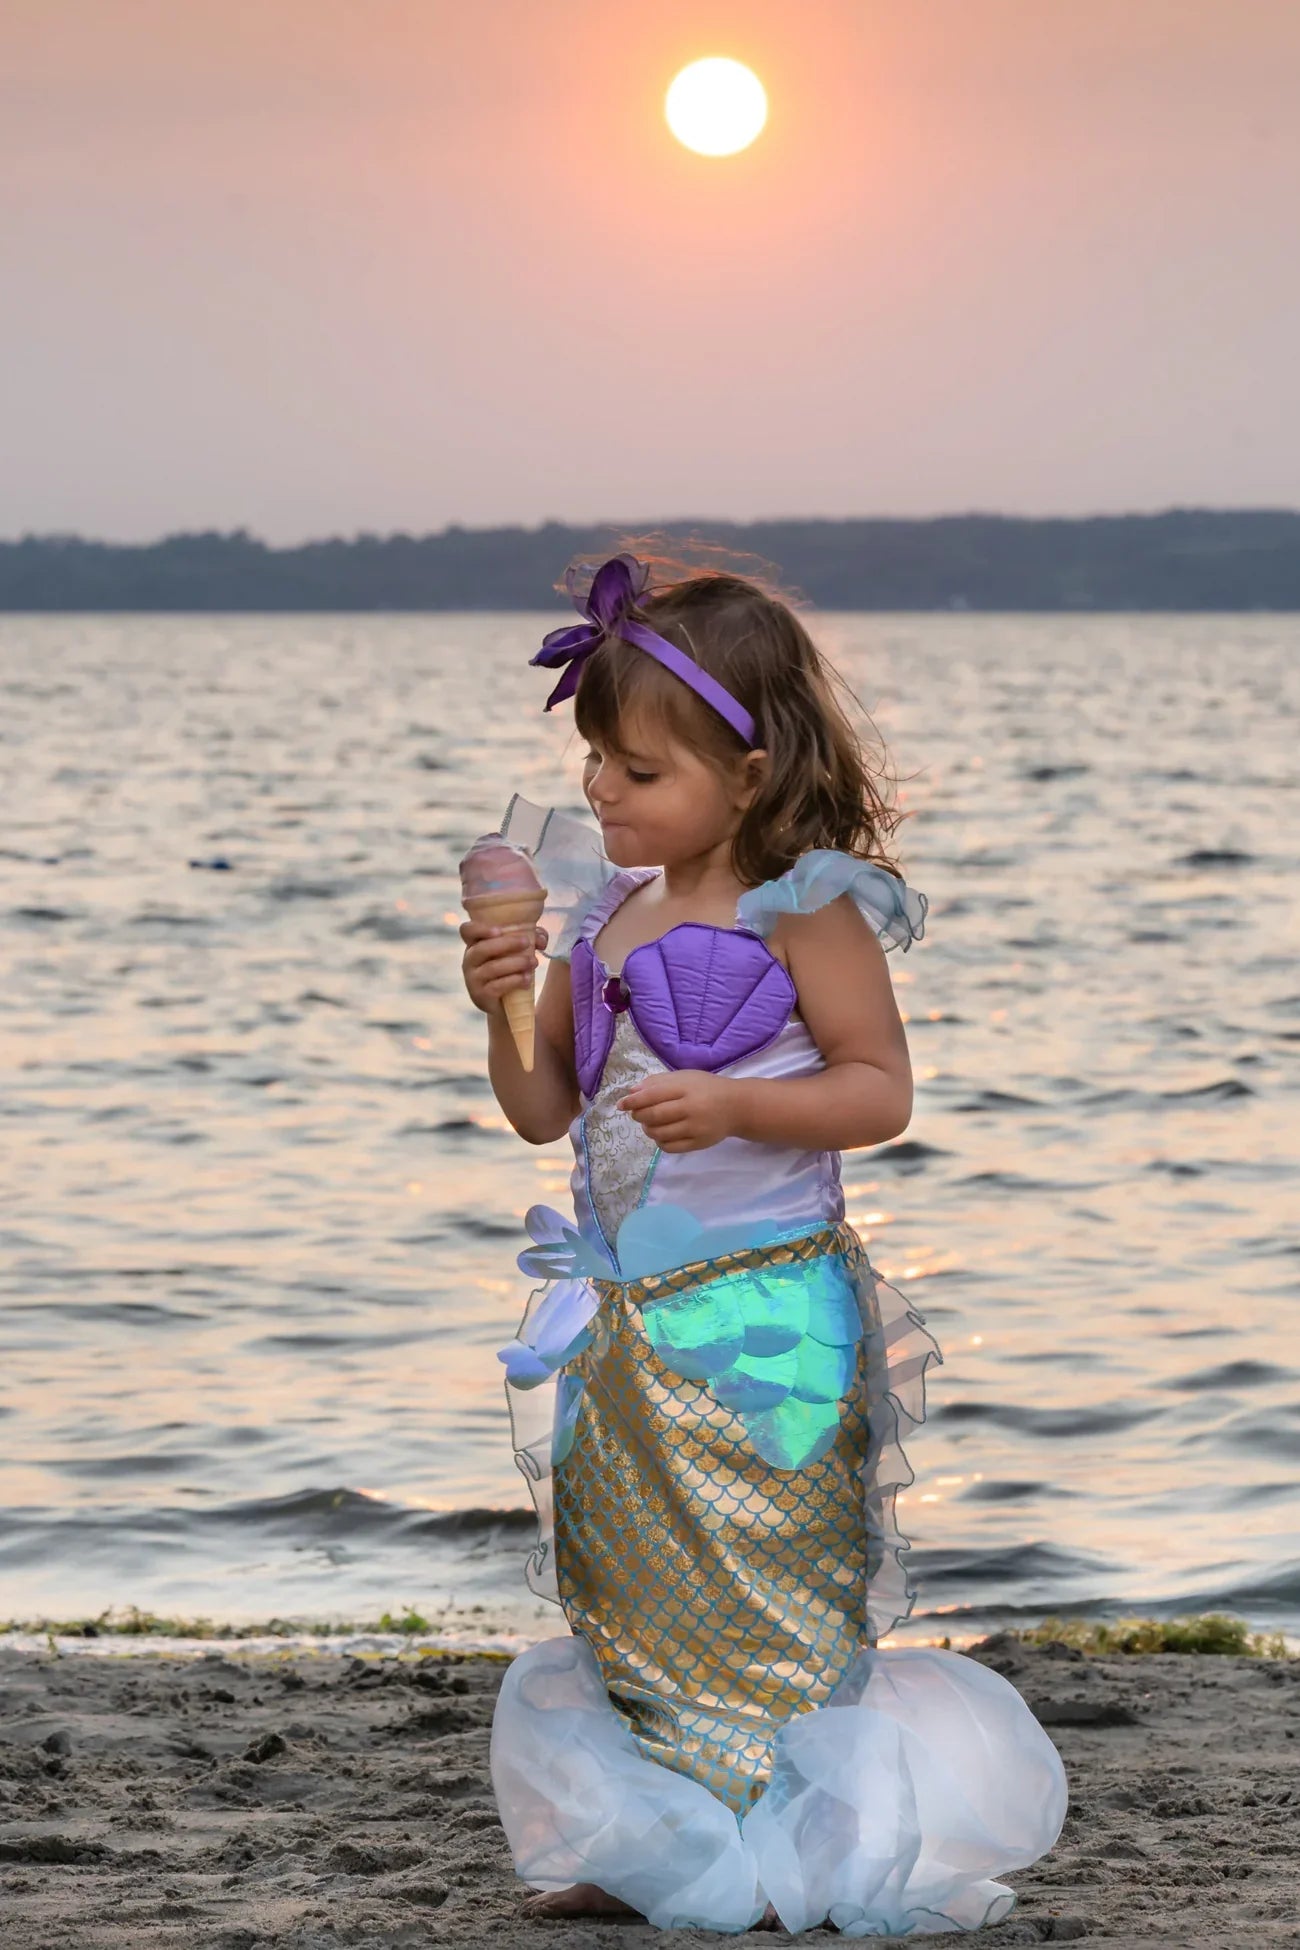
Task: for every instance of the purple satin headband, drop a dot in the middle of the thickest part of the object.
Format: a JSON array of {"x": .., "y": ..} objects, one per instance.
[{"x": 616, "y": 587}]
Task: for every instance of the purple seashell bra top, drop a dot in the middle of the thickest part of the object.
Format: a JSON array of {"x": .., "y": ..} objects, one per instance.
[{"x": 701, "y": 997}]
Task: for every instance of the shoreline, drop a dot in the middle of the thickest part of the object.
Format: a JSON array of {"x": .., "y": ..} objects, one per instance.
[
  {"x": 303, "y": 1798},
  {"x": 135, "y": 1633}
]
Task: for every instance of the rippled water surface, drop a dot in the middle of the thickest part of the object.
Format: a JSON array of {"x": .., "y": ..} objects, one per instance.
[{"x": 260, "y": 1210}]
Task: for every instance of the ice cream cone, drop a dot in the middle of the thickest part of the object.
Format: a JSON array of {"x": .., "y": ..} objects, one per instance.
[{"x": 511, "y": 910}]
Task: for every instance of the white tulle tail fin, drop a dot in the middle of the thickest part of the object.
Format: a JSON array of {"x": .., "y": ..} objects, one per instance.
[{"x": 890, "y": 1811}]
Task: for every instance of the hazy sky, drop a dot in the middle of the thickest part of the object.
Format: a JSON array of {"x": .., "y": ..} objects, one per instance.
[{"x": 314, "y": 266}]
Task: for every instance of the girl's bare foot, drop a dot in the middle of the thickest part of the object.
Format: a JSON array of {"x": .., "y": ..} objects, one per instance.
[
  {"x": 586, "y": 1899},
  {"x": 580, "y": 1899}
]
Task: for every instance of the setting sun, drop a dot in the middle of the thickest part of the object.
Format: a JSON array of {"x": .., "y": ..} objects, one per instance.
[{"x": 716, "y": 107}]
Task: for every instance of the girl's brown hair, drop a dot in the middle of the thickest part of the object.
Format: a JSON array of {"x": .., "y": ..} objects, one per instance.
[{"x": 820, "y": 787}]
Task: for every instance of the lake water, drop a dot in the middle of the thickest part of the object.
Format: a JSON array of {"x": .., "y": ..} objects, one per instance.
[{"x": 260, "y": 1211}]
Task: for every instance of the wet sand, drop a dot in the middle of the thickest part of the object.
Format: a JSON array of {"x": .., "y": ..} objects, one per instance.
[{"x": 299, "y": 1800}]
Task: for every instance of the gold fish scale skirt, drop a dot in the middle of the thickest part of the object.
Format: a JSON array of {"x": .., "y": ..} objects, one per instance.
[{"x": 719, "y": 1594}]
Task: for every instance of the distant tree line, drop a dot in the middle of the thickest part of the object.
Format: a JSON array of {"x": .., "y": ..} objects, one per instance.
[{"x": 1182, "y": 559}]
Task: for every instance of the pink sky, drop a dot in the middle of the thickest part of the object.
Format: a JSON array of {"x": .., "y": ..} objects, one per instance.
[{"x": 313, "y": 266}]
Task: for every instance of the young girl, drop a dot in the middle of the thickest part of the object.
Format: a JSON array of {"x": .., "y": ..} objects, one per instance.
[{"x": 708, "y": 1389}]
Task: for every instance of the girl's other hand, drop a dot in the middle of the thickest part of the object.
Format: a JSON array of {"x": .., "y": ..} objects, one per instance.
[
  {"x": 497, "y": 960},
  {"x": 683, "y": 1110}
]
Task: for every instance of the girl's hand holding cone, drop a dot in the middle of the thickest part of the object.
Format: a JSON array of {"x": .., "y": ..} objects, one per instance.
[
  {"x": 500, "y": 962},
  {"x": 504, "y": 899}
]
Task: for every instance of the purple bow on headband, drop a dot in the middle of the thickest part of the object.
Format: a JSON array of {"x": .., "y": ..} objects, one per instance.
[{"x": 616, "y": 587}]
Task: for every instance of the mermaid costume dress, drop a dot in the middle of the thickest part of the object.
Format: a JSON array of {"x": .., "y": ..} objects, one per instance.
[{"x": 708, "y": 1395}]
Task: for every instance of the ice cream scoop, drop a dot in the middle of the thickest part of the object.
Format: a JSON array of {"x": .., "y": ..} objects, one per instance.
[
  {"x": 494, "y": 866},
  {"x": 499, "y": 885}
]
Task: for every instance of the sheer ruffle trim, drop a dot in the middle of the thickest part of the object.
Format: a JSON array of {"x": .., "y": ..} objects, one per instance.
[
  {"x": 894, "y": 911},
  {"x": 540, "y": 1406},
  {"x": 889, "y": 1812},
  {"x": 900, "y": 1351},
  {"x": 571, "y": 862}
]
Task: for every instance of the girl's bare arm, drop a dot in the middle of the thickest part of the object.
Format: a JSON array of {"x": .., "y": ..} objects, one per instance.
[{"x": 846, "y": 997}]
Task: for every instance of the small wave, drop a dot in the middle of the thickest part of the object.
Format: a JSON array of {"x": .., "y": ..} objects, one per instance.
[
  {"x": 391, "y": 927},
  {"x": 1037, "y": 1563},
  {"x": 129, "y": 1313},
  {"x": 317, "y": 1342},
  {"x": 1231, "y": 1374},
  {"x": 1223, "y": 1091},
  {"x": 1259, "y": 1436},
  {"x": 1251, "y": 1493},
  {"x": 1008, "y": 1490},
  {"x": 290, "y": 889},
  {"x": 1068, "y": 1422},
  {"x": 1279, "y": 1590},
  {"x": 486, "y": 1229},
  {"x": 1016, "y": 1181},
  {"x": 136, "y": 1464},
  {"x": 986, "y": 858},
  {"x": 1000, "y": 1100},
  {"x": 157, "y": 920},
  {"x": 342, "y": 1511},
  {"x": 463, "y": 1523}
]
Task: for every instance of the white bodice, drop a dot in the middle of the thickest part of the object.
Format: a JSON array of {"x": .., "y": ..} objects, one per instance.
[{"x": 618, "y": 1168}]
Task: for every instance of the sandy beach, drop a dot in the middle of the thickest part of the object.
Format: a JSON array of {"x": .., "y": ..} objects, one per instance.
[{"x": 232, "y": 1803}]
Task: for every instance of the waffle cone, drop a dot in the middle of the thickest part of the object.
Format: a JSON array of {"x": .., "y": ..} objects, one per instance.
[{"x": 507, "y": 911}]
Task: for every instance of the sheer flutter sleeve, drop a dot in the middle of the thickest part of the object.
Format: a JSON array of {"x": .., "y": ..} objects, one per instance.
[{"x": 894, "y": 911}]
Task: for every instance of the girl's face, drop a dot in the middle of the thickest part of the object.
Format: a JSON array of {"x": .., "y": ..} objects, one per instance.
[{"x": 659, "y": 804}]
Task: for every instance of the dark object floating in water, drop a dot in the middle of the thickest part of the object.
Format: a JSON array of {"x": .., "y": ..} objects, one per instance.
[
  {"x": 219, "y": 865},
  {"x": 910, "y": 1152},
  {"x": 1003, "y": 1490},
  {"x": 1041, "y": 774},
  {"x": 1211, "y": 856}
]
